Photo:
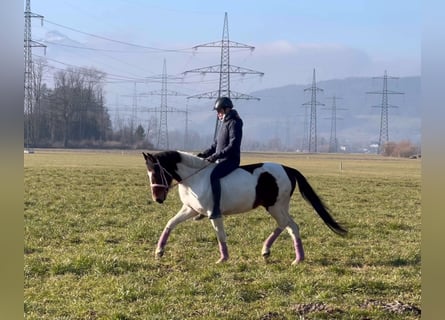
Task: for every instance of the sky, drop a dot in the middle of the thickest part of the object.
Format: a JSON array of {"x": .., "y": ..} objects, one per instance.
[
  {"x": 130, "y": 40},
  {"x": 338, "y": 38}
]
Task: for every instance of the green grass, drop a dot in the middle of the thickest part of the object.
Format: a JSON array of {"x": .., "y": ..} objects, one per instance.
[{"x": 91, "y": 229}]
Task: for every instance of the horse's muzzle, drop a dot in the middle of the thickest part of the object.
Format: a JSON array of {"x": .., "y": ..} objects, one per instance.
[{"x": 159, "y": 193}]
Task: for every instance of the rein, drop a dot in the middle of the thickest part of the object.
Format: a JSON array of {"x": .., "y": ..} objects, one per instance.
[
  {"x": 189, "y": 176},
  {"x": 164, "y": 179}
]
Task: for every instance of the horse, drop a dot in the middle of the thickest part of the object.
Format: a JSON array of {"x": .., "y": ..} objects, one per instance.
[{"x": 268, "y": 184}]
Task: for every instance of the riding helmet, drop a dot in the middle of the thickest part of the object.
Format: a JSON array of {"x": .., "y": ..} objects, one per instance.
[{"x": 223, "y": 102}]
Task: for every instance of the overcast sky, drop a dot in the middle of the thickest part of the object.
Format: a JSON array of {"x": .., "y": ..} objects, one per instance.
[{"x": 338, "y": 38}]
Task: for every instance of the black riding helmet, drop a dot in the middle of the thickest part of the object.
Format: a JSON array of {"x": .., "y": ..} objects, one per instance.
[{"x": 223, "y": 103}]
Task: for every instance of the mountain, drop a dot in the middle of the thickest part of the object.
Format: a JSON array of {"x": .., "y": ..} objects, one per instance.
[{"x": 279, "y": 116}]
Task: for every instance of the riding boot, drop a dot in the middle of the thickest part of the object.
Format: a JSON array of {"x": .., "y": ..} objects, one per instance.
[
  {"x": 216, "y": 189},
  {"x": 216, "y": 213}
]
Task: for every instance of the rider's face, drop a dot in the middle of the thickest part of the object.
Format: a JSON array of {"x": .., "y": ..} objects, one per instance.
[{"x": 220, "y": 112}]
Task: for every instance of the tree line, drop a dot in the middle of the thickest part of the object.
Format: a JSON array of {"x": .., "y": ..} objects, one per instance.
[{"x": 73, "y": 112}]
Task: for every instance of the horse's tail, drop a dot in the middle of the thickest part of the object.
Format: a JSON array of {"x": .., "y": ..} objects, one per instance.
[{"x": 311, "y": 197}]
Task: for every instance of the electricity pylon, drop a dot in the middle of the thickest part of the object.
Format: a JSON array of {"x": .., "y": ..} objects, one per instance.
[
  {"x": 162, "y": 141},
  {"x": 313, "y": 116},
  {"x": 384, "y": 136},
  {"x": 333, "y": 142},
  {"x": 29, "y": 43},
  {"x": 304, "y": 143},
  {"x": 224, "y": 69}
]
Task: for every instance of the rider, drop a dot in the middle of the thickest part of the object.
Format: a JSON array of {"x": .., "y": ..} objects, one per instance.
[{"x": 225, "y": 150}]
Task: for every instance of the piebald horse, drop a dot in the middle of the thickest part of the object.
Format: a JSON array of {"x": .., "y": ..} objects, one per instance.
[{"x": 262, "y": 184}]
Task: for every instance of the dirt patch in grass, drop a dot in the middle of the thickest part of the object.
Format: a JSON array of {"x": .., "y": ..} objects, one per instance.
[{"x": 321, "y": 308}]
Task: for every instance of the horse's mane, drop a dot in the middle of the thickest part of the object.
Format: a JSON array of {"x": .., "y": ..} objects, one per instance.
[{"x": 192, "y": 160}]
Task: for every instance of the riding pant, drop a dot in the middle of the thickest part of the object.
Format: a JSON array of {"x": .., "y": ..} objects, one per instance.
[{"x": 221, "y": 170}]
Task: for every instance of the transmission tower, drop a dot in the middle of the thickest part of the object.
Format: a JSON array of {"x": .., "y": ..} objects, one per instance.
[
  {"x": 163, "y": 127},
  {"x": 224, "y": 69},
  {"x": 134, "y": 109},
  {"x": 29, "y": 43},
  {"x": 162, "y": 142},
  {"x": 304, "y": 143},
  {"x": 333, "y": 143},
  {"x": 186, "y": 136},
  {"x": 384, "y": 136},
  {"x": 312, "y": 143}
]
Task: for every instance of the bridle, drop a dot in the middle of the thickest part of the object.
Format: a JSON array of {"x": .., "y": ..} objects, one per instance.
[{"x": 164, "y": 183}]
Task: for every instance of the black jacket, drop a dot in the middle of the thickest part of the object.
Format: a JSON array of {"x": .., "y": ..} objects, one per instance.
[{"x": 227, "y": 145}]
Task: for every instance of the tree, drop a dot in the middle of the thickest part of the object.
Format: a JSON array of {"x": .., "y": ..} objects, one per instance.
[
  {"x": 403, "y": 149},
  {"x": 39, "y": 67},
  {"x": 139, "y": 133},
  {"x": 76, "y": 112}
]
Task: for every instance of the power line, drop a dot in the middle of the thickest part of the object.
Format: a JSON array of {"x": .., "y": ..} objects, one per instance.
[
  {"x": 105, "y": 50},
  {"x": 123, "y": 78},
  {"x": 151, "y": 79},
  {"x": 118, "y": 41},
  {"x": 89, "y": 48},
  {"x": 114, "y": 78}
]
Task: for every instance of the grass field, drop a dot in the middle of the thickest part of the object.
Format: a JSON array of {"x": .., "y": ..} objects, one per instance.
[{"x": 91, "y": 229}]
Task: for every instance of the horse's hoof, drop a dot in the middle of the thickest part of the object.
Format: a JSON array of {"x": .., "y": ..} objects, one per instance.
[
  {"x": 265, "y": 253},
  {"x": 159, "y": 253},
  {"x": 222, "y": 260},
  {"x": 297, "y": 261}
]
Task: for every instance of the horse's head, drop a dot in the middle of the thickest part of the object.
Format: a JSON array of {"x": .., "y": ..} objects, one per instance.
[{"x": 160, "y": 179}]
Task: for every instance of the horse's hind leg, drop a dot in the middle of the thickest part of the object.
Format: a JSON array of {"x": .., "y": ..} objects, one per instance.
[
  {"x": 218, "y": 225},
  {"x": 294, "y": 232},
  {"x": 265, "y": 252},
  {"x": 184, "y": 214},
  {"x": 280, "y": 213},
  {"x": 284, "y": 220}
]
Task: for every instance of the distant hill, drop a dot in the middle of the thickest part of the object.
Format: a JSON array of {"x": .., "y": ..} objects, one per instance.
[{"x": 279, "y": 116}]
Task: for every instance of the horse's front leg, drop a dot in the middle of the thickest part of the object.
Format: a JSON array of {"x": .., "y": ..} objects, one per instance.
[
  {"x": 184, "y": 214},
  {"x": 218, "y": 225}
]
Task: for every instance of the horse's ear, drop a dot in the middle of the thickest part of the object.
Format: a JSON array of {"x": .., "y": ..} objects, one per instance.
[{"x": 147, "y": 156}]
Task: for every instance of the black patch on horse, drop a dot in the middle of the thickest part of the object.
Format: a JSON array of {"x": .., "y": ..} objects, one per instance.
[
  {"x": 292, "y": 174},
  {"x": 266, "y": 191},
  {"x": 169, "y": 160}
]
